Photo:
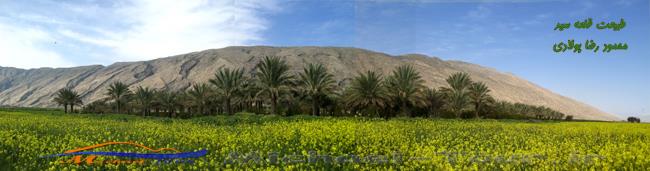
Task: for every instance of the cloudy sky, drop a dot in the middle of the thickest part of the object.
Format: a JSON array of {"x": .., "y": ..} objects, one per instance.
[{"x": 513, "y": 36}]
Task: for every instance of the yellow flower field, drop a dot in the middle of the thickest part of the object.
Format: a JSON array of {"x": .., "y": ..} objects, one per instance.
[{"x": 304, "y": 142}]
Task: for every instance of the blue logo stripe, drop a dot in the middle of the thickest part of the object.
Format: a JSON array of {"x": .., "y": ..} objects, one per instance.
[{"x": 195, "y": 154}]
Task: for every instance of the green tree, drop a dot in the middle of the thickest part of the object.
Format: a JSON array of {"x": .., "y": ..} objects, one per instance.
[
  {"x": 145, "y": 97},
  {"x": 185, "y": 103},
  {"x": 404, "y": 86},
  {"x": 479, "y": 97},
  {"x": 367, "y": 91},
  {"x": 118, "y": 92},
  {"x": 434, "y": 101},
  {"x": 274, "y": 79},
  {"x": 253, "y": 103},
  {"x": 457, "y": 94},
  {"x": 229, "y": 84},
  {"x": 60, "y": 99},
  {"x": 169, "y": 101},
  {"x": 199, "y": 95},
  {"x": 316, "y": 82},
  {"x": 67, "y": 97}
]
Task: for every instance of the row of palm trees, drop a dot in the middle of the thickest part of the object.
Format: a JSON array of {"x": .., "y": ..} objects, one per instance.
[{"x": 314, "y": 90}]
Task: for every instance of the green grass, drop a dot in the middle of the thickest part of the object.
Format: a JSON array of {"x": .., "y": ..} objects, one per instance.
[{"x": 445, "y": 144}]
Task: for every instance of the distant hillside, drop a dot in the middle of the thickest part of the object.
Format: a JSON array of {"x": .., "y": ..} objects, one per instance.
[{"x": 35, "y": 87}]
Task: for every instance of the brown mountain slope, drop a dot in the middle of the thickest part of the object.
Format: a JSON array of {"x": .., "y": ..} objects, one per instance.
[{"x": 36, "y": 87}]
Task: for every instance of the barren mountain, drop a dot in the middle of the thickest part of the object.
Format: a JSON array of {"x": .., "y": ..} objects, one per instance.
[{"x": 35, "y": 87}]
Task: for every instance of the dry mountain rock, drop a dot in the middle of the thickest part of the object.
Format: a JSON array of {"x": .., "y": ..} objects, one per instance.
[{"x": 35, "y": 87}]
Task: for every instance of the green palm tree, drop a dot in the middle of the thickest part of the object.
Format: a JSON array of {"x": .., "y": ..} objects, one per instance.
[
  {"x": 61, "y": 100},
  {"x": 274, "y": 78},
  {"x": 316, "y": 82},
  {"x": 74, "y": 100},
  {"x": 229, "y": 84},
  {"x": 404, "y": 86},
  {"x": 457, "y": 94},
  {"x": 118, "y": 92},
  {"x": 249, "y": 91},
  {"x": 459, "y": 81},
  {"x": 199, "y": 95},
  {"x": 145, "y": 98},
  {"x": 434, "y": 101},
  {"x": 478, "y": 95},
  {"x": 367, "y": 91},
  {"x": 184, "y": 103},
  {"x": 169, "y": 101},
  {"x": 457, "y": 101},
  {"x": 67, "y": 97}
]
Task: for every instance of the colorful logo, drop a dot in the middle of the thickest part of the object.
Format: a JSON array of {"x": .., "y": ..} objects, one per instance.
[{"x": 132, "y": 158}]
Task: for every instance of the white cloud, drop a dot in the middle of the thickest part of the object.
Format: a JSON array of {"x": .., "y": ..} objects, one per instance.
[
  {"x": 111, "y": 31},
  {"x": 159, "y": 28},
  {"x": 24, "y": 48}
]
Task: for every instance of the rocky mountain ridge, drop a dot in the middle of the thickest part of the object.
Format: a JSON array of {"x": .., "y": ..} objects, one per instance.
[{"x": 35, "y": 87}]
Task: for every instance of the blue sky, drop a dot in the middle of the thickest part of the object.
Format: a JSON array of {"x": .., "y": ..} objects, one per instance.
[{"x": 509, "y": 35}]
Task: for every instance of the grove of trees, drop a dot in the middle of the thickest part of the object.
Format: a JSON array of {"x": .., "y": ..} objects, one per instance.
[
  {"x": 633, "y": 119},
  {"x": 273, "y": 89}
]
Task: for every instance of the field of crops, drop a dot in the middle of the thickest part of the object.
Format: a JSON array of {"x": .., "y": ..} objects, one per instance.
[{"x": 303, "y": 142}]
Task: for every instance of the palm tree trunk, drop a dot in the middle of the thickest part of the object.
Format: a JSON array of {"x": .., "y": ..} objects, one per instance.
[
  {"x": 385, "y": 112},
  {"x": 315, "y": 107},
  {"x": 228, "y": 107},
  {"x": 202, "y": 108},
  {"x": 477, "y": 110},
  {"x": 404, "y": 109},
  {"x": 376, "y": 112},
  {"x": 249, "y": 105},
  {"x": 71, "y": 108},
  {"x": 65, "y": 108},
  {"x": 274, "y": 104}
]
